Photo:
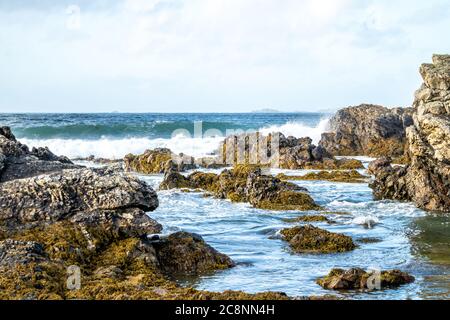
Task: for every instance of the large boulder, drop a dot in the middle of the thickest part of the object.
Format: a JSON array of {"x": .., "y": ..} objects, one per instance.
[
  {"x": 63, "y": 195},
  {"x": 426, "y": 180},
  {"x": 17, "y": 161},
  {"x": 368, "y": 130}
]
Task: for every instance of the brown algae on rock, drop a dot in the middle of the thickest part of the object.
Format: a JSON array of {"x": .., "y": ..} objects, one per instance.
[{"x": 309, "y": 239}]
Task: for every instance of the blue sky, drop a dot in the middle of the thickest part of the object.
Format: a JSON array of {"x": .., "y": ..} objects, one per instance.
[{"x": 215, "y": 55}]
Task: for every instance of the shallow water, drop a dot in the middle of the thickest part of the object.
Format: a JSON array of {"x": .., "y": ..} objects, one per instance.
[{"x": 250, "y": 237}]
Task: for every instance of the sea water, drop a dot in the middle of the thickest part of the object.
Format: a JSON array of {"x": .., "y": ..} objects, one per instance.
[{"x": 402, "y": 236}]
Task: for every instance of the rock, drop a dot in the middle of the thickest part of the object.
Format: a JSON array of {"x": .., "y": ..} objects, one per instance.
[
  {"x": 85, "y": 195},
  {"x": 309, "y": 239},
  {"x": 17, "y": 161},
  {"x": 158, "y": 161},
  {"x": 352, "y": 176},
  {"x": 368, "y": 130},
  {"x": 185, "y": 253},
  {"x": 13, "y": 253},
  {"x": 275, "y": 150},
  {"x": 357, "y": 279},
  {"x": 426, "y": 180},
  {"x": 245, "y": 184}
]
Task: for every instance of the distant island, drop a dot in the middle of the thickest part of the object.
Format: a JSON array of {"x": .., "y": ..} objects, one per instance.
[{"x": 266, "y": 111}]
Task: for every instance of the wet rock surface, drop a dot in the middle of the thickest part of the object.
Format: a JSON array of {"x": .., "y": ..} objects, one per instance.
[
  {"x": 309, "y": 239},
  {"x": 369, "y": 130},
  {"x": 426, "y": 180},
  {"x": 358, "y": 279},
  {"x": 245, "y": 184}
]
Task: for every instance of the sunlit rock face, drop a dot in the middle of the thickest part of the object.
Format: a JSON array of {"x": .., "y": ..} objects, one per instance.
[{"x": 426, "y": 180}]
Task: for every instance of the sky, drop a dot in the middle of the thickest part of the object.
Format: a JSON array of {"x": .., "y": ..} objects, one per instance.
[{"x": 215, "y": 55}]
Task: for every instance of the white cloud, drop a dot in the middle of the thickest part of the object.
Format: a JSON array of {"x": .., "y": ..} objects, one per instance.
[{"x": 237, "y": 54}]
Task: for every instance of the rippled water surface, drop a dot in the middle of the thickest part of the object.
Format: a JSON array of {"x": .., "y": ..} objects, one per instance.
[{"x": 407, "y": 239}]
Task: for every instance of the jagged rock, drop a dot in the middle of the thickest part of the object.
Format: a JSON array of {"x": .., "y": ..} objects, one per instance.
[
  {"x": 368, "y": 130},
  {"x": 426, "y": 180},
  {"x": 309, "y": 239},
  {"x": 81, "y": 192},
  {"x": 188, "y": 253},
  {"x": 17, "y": 161},
  {"x": 290, "y": 153},
  {"x": 158, "y": 161},
  {"x": 13, "y": 253},
  {"x": 245, "y": 184},
  {"x": 356, "y": 279}
]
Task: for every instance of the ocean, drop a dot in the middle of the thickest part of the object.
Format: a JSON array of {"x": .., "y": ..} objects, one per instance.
[
  {"x": 403, "y": 237},
  {"x": 113, "y": 135}
]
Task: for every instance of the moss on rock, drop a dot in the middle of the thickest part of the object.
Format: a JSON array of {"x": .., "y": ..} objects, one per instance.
[{"x": 309, "y": 239}]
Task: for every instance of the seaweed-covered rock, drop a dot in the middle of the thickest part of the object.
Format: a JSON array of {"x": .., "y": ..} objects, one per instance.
[
  {"x": 369, "y": 130},
  {"x": 17, "y": 161},
  {"x": 309, "y": 239},
  {"x": 356, "y": 278},
  {"x": 426, "y": 180},
  {"x": 158, "y": 161},
  {"x": 188, "y": 253},
  {"x": 351, "y": 176},
  {"x": 245, "y": 184}
]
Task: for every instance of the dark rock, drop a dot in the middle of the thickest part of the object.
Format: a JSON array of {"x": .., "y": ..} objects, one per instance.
[
  {"x": 357, "y": 279},
  {"x": 186, "y": 253},
  {"x": 368, "y": 130},
  {"x": 17, "y": 161}
]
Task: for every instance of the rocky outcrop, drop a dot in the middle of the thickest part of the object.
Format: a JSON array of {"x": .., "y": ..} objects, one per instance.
[
  {"x": 187, "y": 253},
  {"x": 17, "y": 161},
  {"x": 276, "y": 150},
  {"x": 426, "y": 180},
  {"x": 368, "y": 130},
  {"x": 358, "y": 279},
  {"x": 245, "y": 184},
  {"x": 158, "y": 161},
  {"x": 309, "y": 239},
  {"x": 97, "y": 194}
]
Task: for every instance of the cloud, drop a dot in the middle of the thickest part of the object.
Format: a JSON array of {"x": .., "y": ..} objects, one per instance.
[{"x": 215, "y": 55}]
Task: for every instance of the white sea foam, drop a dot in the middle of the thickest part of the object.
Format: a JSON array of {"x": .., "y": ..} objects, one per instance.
[
  {"x": 194, "y": 146},
  {"x": 299, "y": 130}
]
